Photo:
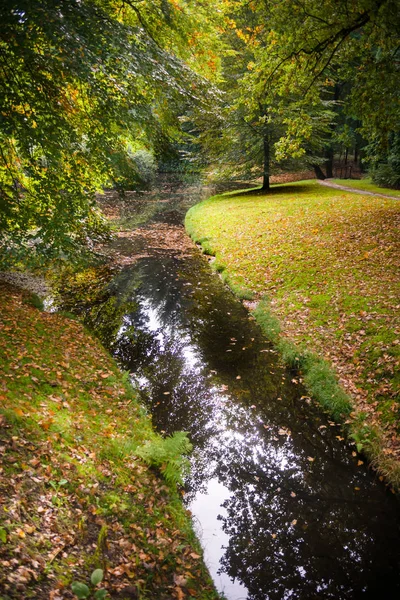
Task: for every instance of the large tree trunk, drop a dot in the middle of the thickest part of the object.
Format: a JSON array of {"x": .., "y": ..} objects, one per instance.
[
  {"x": 318, "y": 172},
  {"x": 329, "y": 162},
  {"x": 266, "y": 174}
]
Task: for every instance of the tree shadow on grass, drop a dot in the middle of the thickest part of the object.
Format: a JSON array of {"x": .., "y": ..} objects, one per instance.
[{"x": 274, "y": 191}]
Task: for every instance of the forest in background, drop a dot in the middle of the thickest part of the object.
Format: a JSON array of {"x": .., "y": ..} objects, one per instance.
[{"x": 99, "y": 93}]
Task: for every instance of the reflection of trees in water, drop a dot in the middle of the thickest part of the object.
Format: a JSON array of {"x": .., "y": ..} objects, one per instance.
[
  {"x": 102, "y": 303},
  {"x": 297, "y": 526},
  {"x": 106, "y": 315},
  {"x": 297, "y": 532},
  {"x": 179, "y": 398}
]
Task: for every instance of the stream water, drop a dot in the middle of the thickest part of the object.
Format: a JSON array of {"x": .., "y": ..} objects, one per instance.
[{"x": 282, "y": 505}]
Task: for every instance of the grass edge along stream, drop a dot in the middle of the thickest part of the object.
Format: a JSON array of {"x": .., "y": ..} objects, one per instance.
[{"x": 281, "y": 250}]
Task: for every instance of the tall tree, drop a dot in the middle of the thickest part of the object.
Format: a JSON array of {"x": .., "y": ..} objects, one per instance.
[
  {"x": 315, "y": 46},
  {"x": 255, "y": 129}
]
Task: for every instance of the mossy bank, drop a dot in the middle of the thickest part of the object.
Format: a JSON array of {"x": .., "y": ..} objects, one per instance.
[
  {"x": 75, "y": 496},
  {"x": 322, "y": 267}
]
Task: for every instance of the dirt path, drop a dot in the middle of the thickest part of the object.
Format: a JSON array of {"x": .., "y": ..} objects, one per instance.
[{"x": 355, "y": 190}]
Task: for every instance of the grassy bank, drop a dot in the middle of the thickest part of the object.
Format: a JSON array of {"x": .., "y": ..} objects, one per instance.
[
  {"x": 75, "y": 496},
  {"x": 326, "y": 265},
  {"x": 367, "y": 185}
]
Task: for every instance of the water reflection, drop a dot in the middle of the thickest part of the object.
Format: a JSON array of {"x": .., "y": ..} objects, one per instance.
[{"x": 271, "y": 481}]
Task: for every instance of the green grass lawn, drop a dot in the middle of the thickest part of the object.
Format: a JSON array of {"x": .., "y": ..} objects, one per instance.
[
  {"x": 326, "y": 264},
  {"x": 75, "y": 496},
  {"x": 367, "y": 185}
]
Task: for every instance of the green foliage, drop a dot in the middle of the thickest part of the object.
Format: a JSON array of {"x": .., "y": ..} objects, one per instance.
[
  {"x": 241, "y": 291},
  {"x": 56, "y": 485},
  {"x": 386, "y": 175},
  {"x": 79, "y": 81},
  {"x": 81, "y": 590},
  {"x": 361, "y": 438},
  {"x": 101, "y": 544},
  {"x": 252, "y": 129},
  {"x": 207, "y": 249},
  {"x": 167, "y": 454},
  {"x": 145, "y": 166},
  {"x": 53, "y": 99},
  {"x": 292, "y": 355},
  {"x": 97, "y": 576},
  {"x": 321, "y": 382},
  {"x": 133, "y": 169},
  {"x": 313, "y": 45},
  {"x": 386, "y": 172},
  {"x": 301, "y": 80},
  {"x": 3, "y": 535}
]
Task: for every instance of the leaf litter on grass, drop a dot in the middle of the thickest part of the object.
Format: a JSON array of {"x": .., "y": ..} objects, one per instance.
[{"x": 329, "y": 264}]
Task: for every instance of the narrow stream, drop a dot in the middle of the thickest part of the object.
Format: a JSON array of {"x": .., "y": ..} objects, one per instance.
[{"x": 283, "y": 507}]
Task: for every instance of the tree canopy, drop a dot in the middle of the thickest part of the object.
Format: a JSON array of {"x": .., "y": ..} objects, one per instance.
[
  {"x": 314, "y": 44},
  {"x": 81, "y": 82},
  {"x": 259, "y": 85},
  {"x": 307, "y": 75}
]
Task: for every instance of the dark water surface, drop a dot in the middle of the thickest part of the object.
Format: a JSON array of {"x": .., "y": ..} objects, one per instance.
[{"x": 282, "y": 507}]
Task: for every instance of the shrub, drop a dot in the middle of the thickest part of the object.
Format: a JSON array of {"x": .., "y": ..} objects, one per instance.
[
  {"x": 386, "y": 172},
  {"x": 386, "y": 175},
  {"x": 167, "y": 454},
  {"x": 133, "y": 170},
  {"x": 145, "y": 166}
]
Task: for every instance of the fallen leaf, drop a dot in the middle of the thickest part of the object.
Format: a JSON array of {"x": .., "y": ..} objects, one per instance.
[
  {"x": 180, "y": 580},
  {"x": 179, "y": 593},
  {"x": 29, "y": 528}
]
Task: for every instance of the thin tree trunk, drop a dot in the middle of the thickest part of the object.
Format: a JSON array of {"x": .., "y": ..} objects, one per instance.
[
  {"x": 266, "y": 173},
  {"x": 318, "y": 172},
  {"x": 330, "y": 151}
]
